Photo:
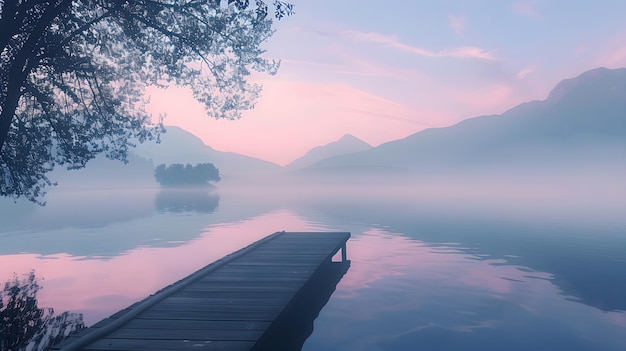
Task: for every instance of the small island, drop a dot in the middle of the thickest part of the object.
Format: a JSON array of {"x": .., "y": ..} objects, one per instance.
[{"x": 179, "y": 175}]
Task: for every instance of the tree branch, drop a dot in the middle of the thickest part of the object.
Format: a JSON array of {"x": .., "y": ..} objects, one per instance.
[
  {"x": 84, "y": 27},
  {"x": 7, "y": 22},
  {"x": 18, "y": 70}
]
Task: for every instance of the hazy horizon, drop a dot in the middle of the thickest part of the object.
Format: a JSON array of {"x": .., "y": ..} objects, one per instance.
[
  {"x": 579, "y": 122},
  {"x": 381, "y": 74}
]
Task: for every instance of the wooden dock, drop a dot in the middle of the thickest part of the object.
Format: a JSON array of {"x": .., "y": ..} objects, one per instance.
[{"x": 264, "y": 296}]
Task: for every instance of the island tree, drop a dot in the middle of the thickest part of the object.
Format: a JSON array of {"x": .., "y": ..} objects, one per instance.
[
  {"x": 176, "y": 174},
  {"x": 73, "y": 75}
]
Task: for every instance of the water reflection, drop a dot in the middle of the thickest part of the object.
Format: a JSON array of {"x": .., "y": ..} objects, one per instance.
[
  {"x": 295, "y": 324},
  {"x": 426, "y": 273},
  {"x": 106, "y": 242},
  {"x": 26, "y": 326},
  {"x": 102, "y": 224},
  {"x": 187, "y": 200},
  {"x": 85, "y": 209},
  {"x": 584, "y": 257},
  {"x": 404, "y": 294},
  {"x": 99, "y": 287}
]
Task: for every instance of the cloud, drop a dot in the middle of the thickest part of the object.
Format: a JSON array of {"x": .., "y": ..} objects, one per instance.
[
  {"x": 494, "y": 97},
  {"x": 525, "y": 72},
  {"x": 384, "y": 115},
  {"x": 468, "y": 52},
  {"x": 613, "y": 53},
  {"x": 354, "y": 66},
  {"x": 393, "y": 42},
  {"x": 616, "y": 59},
  {"x": 526, "y": 8},
  {"x": 457, "y": 23}
]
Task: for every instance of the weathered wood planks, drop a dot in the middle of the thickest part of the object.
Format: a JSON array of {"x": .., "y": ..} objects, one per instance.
[{"x": 241, "y": 302}]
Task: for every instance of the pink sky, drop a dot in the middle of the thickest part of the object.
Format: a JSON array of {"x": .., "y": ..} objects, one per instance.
[{"x": 382, "y": 78}]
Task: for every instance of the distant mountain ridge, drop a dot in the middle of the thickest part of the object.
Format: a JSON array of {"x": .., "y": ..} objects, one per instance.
[
  {"x": 581, "y": 115},
  {"x": 180, "y": 146},
  {"x": 345, "y": 145}
]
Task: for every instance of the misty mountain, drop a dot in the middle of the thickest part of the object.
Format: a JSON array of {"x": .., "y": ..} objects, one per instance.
[
  {"x": 582, "y": 120},
  {"x": 346, "y": 145},
  {"x": 180, "y": 146}
]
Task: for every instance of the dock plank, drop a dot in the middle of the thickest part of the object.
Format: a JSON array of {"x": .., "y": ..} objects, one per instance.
[
  {"x": 266, "y": 316},
  {"x": 229, "y": 301},
  {"x": 233, "y": 294},
  {"x": 205, "y": 325},
  {"x": 231, "y": 304},
  {"x": 186, "y": 334},
  {"x": 167, "y": 345},
  {"x": 204, "y": 307}
]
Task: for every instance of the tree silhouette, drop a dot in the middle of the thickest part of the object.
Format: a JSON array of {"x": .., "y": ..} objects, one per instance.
[
  {"x": 73, "y": 75},
  {"x": 23, "y": 324},
  {"x": 177, "y": 174}
]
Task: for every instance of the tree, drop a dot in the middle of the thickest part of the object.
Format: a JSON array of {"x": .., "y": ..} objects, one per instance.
[
  {"x": 177, "y": 174},
  {"x": 73, "y": 75},
  {"x": 24, "y": 325}
]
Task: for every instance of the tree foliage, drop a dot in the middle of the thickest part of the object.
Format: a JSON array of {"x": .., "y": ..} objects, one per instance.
[
  {"x": 23, "y": 325},
  {"x": 73, "y": 74},
  {"x": 177, "y": 174}
]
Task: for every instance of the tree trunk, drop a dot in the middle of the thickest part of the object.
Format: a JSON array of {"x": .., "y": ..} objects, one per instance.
[
  {"x": 8, "y": 111},
  {"x": 23, "y": 63}
]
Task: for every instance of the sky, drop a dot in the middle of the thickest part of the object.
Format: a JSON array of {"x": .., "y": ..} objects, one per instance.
[{"x": 382, "y": 72}]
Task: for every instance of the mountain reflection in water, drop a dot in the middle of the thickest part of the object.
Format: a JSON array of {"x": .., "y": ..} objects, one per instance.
[{"x": 403, "y": 294}]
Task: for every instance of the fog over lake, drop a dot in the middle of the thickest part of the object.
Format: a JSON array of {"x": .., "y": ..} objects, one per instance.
[{"x": 446, "y": 265}]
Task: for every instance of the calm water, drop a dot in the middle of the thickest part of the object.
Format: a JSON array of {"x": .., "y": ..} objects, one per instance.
[{"x": 526, "y": 272}]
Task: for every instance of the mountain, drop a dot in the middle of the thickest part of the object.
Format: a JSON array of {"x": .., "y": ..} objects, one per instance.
[
  {"x": 180, "y": 146},
  {"x": 346, "y": 145},
  {"x": 582, "y": 120}
]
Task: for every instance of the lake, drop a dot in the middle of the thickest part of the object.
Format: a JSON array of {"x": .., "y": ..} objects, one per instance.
[{"x": 432, "y": 269}]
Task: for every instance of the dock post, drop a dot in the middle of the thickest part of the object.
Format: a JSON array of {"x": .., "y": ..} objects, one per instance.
[{"x": 343, "y": 253}]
